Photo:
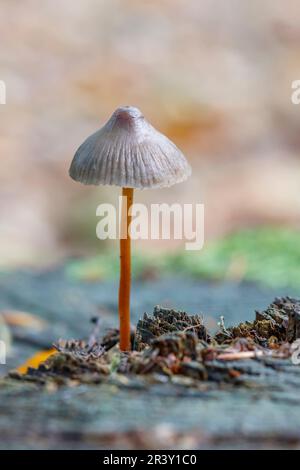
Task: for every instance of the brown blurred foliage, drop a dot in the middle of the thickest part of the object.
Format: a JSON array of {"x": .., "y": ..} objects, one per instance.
[{"x": 215, "y": 76}]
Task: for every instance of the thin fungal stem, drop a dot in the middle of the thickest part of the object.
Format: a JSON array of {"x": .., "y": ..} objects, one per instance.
[{"x": 125, "y": 270}]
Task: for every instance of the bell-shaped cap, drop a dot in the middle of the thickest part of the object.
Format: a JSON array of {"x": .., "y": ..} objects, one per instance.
[{"x": 127, "y": 151}]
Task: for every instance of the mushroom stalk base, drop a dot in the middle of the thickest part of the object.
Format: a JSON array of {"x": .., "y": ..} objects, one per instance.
[{"x": 125, "y": 270}]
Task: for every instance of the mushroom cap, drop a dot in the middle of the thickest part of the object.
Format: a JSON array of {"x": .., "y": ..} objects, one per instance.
[{"x": 127, "y": 151}]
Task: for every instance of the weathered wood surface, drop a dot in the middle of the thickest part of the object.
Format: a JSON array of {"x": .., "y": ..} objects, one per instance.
[{"x": 133, "y": 413}]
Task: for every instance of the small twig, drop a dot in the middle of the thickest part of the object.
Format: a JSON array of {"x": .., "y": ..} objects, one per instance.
[
  {"x": 232, "y": 356},
  {"x": 193, "y": 326},
  {"x": 222, "y": 326},
  {"x": 95, "y": 332}
]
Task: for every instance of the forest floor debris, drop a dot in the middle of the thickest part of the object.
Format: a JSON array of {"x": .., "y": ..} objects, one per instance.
[{"x": 174, "y": 346}]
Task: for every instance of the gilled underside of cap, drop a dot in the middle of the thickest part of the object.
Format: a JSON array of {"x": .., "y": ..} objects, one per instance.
[{"x": 127, "y": 151}]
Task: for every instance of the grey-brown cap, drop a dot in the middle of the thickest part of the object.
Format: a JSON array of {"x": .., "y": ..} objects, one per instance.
[{"x": 127, "y": 151}]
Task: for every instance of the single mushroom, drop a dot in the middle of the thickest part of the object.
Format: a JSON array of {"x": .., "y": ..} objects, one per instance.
[{"x": 128, "y": 152}]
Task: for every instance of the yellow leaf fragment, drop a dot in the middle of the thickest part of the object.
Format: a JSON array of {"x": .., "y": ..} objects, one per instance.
[{"x": 36, "y": 360}]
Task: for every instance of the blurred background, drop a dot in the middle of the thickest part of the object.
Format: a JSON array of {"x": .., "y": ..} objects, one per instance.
[{"x": 215, "y": 76}]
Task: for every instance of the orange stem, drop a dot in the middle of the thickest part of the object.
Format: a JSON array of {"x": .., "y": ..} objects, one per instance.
[{"x": 125, "y": 270}]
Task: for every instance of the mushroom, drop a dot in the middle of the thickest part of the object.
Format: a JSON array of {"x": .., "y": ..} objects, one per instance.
[{"x": 128, "y": 152}]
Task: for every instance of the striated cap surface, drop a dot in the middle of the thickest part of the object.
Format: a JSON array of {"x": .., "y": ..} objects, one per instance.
[{"x": 127, "y": 151}]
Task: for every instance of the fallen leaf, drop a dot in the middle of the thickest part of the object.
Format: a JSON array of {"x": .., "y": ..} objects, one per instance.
[{"x": 36, "y": 360}]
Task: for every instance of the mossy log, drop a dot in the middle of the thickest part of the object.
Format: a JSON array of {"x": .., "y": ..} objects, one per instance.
[{"x": 251, "y": 403}]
